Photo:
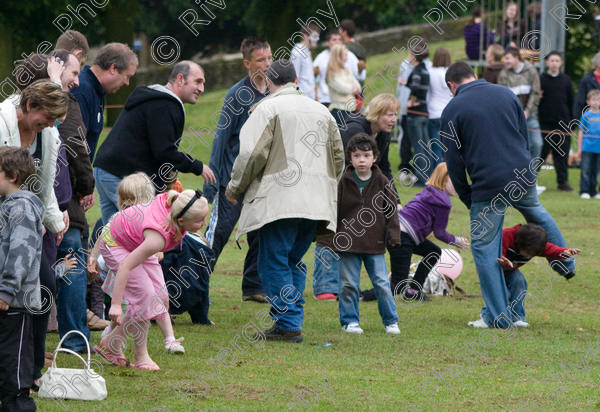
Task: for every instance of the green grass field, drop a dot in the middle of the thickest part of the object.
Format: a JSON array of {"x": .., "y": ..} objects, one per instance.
[{"x": 553, "y": 366}]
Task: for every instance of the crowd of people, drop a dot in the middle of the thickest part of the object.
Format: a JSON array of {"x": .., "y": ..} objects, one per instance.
[{"x": 295, "y": 117}]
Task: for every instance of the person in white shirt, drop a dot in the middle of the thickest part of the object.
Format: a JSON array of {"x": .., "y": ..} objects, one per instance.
[
  {"x": 438, "y": 97},
  {"x": 320, "y": 67},
  {"x": 343, "y": 86},
  {"x": 303, "y": 64}
]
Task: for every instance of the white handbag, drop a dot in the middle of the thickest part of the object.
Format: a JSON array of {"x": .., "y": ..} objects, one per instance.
[{"x": 64, "y": 383}]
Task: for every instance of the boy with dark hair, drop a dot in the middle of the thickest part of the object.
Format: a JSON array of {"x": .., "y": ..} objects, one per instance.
[
  {"x": 360, "y": 184},
  {"x": 347, "y": 28},
  {"x": 556, "y": 102},
  {"x": 20, "y": 255},
  {"x": 520, "y": 244},
  {"x": 75, "y": 43}
]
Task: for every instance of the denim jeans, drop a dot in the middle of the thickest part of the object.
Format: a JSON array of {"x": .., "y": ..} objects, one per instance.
[
  {"x": 327, "y": 271},
  {"x": 534, "y": 137},
  {"x": 106, "y": 184},
  {"x": 70, "y": 301},
  {"x": 282, "y": 245},
  {"x": 421, "y": 162},
  {"x": 434, "y": 126},
  {"x": 517, "y": 291},
  {"x": 486, "y": 246},
  {"x": 350, "y": 264},
  {"x": 589, "y": 173}
]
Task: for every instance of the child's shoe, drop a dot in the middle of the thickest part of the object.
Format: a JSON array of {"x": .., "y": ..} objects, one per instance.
[
  {"x": 597, "y": 196},
  {"x": 479, "y": 323},
  {"x": 352, "y": 327},
  {"x": 521, "y": 324},
  {"x": 569, "y": 275},
  {"x": 325, "y": 296},
  {"x": 392, "y": 329},
  {"x": 175, "y": 346}
]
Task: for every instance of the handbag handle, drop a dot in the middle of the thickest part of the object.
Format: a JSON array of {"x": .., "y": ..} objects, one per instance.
[{"x": 59, "y": 348}]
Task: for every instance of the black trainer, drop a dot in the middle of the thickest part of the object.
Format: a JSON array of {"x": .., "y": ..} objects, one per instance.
[
  {"x": 279, "y": 335},
  {"x": 569, "y": 275}
]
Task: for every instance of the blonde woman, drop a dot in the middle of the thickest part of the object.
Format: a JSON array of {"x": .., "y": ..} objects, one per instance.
[{"x": 343, "y": 86}]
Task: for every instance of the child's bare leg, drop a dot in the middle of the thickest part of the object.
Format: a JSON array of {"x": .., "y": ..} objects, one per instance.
[
  {"x": 166, "y": 327},
  {"x": 115, "y": 341},
  {"x": 140, "y": 340}
]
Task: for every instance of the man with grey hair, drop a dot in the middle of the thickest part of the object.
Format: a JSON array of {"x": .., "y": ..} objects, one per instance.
[
  {"x": 113, "y": 66},
  {"x": 290, "y": 146},
  {"x": 588, "y": 82},
  {"x": 147, "y": 134}
]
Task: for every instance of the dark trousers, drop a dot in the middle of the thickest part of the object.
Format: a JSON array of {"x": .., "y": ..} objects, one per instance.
[
  {"x": 405, "y": 147},
  {"x": 40, "y": 321},
  {"x": 400, "y": 261},
  {"x": 16, "y": 361},
  {"x": 559, "y": 145},
  {"x": 223, "y": 218}
]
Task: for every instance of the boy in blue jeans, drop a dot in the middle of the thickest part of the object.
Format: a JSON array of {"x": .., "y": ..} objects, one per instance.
[
  {"x": 520, "y": 244},
  {"x": 367, "y": 218},
  {"x": 589, "y": 146},
  {"x": 20, "y": 256}
]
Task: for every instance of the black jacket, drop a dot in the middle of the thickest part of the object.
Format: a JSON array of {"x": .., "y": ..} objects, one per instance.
[
  {"x": 146, "y": 136},
  {"x": 358, "y": 124},
  {"x": 557, "y": 99},
  {"x": 587, "y": 83}
]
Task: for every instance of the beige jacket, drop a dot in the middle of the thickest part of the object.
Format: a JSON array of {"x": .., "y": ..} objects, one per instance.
[
  {"x": 291, "y": 158},
  {"x": 341, "y": 87},
  {"x": 43, "y": 184}
]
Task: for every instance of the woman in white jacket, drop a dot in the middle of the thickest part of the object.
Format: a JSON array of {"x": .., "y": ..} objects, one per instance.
[
  {"x": 27, "y": 120},
  {"x": 342, "y": 84},
  {"x": 438, "y": 96}
]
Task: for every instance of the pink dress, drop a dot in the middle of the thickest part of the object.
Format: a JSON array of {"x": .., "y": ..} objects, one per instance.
[{"x": 145, "y": 291}]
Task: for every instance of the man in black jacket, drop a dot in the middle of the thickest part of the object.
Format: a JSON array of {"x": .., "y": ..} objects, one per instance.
[
  {"x": 588, "y": 82},
  {"x": 147, "y": 134}
]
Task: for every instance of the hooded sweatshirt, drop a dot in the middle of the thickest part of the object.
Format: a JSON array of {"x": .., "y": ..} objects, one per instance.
[
  {"x": 20, "y": 250},
  {"x": 427, "y": 212},
  {"x": 146, "y": 137}
]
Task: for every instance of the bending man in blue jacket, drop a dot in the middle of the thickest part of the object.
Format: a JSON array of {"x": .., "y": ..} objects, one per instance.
[{"x": 485, "y": 132}]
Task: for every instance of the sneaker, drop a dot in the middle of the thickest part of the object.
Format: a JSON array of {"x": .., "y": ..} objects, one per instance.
[
  {"x": 569, "y": 275},
  {"x": 479, "y": 323},
  {"x": 260, "y": 298},
  {"x": 521, "y": 324},
  {"x": 353, "y": 327},
  {"x": 565, "y": 187},
  {"x": 280, "y": 335},
  {"x": 540, "y": 189},
  {"x": 597, "y": 196},
  {"x": 175, "y": 346},
  {"x": 392, "y": 329},
  {"x": 325, "y": 296},
  {"x": 547, "y": 167},
  {"x": 585, "y": 196}
]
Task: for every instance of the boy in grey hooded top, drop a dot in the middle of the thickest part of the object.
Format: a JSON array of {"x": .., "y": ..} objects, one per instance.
[{"x": 20, "y": 254}]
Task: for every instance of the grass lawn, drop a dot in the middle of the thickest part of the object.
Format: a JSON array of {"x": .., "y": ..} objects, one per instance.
[{"x": 552, "y": 366}]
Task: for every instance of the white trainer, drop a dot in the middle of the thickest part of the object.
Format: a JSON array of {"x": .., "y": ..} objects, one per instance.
[
  {"x": 479, "y": 323},
  {"x": 392, "y": 329},
  {"x": 597, "y": 196},
  {"x": 175, "y": 346},
  {"x": 353, "y": 327},
  {"x": 521, "y": 324},
  {"x": 585, "y": 196},
  {"x": 540, "y": 189}
]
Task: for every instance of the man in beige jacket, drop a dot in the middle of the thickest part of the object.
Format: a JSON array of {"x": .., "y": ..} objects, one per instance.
[{"x": 291, "y": 157}]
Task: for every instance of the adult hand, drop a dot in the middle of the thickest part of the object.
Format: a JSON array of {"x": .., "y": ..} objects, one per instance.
[
  {"x": 401, "y": 81},
  {"x": 570, "y": 252},
  {"x": 462, "y": 243},
  {"x": 398, "y": 207},
  {"x": 356, "y": 89},
  {"x": 66, "y": 220},
  {"x": 59, "y": 236},
  {"x": 506, "y": 264},
  {"x": 525, "y": 112},
  {"x": 115, "y": 313},
  {"x": 230, "y": 197},
  {"x": 87, "y": 202},
  {"x": 55, "y": 69},
  {"x": 208, "y": 175},
  {"x": 3, "y": 305}
]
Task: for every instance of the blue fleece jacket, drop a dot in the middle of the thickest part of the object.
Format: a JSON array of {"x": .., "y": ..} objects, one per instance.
[
  {"x": 485, "y": 132},
  {"x": 226, "y": 146},
  {"x": 90, "y": 96}
]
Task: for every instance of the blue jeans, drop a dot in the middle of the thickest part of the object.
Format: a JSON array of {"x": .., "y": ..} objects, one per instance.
[
  {"x": 486, "y": 245},
  {"x": 517, "y": 291},
  {"x": 434, "y": 126},
  {"x": 350, "y": 264},
  {"x": 106, "y": 184},
  {"x": 422, "y": 162},
  {"x": 70, "y": 301},
  {"x": 327, "y": 271},
  {"x": 534, "y": 137},
  {"x": 282, "y": 244},
  {"x": 589, "y": 173}
]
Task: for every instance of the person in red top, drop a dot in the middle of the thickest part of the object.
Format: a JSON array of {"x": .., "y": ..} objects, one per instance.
[{"x": 520, "y": 244}]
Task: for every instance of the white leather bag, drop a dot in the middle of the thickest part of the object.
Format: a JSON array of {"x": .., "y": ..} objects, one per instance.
[{"x": 64, "y": 383}]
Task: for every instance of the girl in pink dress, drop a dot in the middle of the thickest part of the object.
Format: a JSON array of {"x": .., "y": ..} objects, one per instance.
[{"x": 131, "y": 253}]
